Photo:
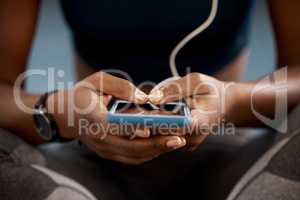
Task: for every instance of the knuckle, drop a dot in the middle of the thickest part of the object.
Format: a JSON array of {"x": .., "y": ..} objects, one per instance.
[
  {"x": 194, "y": 76},
  {"x": 100, "y": 73}
]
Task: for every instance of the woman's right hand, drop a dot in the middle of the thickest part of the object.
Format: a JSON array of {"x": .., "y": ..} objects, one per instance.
[{"x": 81, "y": 113}]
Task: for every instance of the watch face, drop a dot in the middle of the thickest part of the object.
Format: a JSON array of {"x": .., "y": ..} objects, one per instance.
[{"x": 43, "y": 125}]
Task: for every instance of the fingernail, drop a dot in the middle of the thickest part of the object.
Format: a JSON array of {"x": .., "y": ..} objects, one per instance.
[
  {"x": 176, "y": 142},
  {"x": 156, "y": 96},
  {"x": 140, "y": 96},
  {"x": 142, "y": 133}
]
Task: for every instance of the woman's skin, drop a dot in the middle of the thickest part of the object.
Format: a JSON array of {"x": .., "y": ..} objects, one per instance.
[
  {"x": 237, "y": 97},
  {"x": 17, "y": 30}
]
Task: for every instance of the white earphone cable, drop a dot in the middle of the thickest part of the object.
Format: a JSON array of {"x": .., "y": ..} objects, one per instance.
[{"x": 190, "y": 36}]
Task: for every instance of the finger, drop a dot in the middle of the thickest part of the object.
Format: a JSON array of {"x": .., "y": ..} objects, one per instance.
[
  {"x": 114, "y": 152},
  {"x": 88, "y": 106},
  {"x": 105, "y": 152},
  {"x": 130, "y": 132},
  {"x": 200, "y": 123},
  {"x": 149, "y": 147},
  {"x": 99, "y": 113},
  {"x": 115, "y": 86},
  {"x": 189, "y": 85},
  {"x": 141, "y": 132},
  {"x": 171, "y": 131},
  {"x": 199, "y": 117},
  {"x": 190, "y": 102},
  {"x": 93, "y": 144},
  {"x": 106, "y": 99},
  {"x": 175, "y": 142}
]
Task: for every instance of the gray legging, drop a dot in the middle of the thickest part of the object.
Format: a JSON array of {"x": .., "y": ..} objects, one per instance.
[
  {"x": 64, "y": 171},
  {"x": 23, "y": 174}
]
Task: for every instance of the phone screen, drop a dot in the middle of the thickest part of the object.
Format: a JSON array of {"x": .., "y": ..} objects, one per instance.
[{"x": 148, "y": 109}]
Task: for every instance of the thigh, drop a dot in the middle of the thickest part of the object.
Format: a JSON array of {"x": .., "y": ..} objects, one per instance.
[
  {"x": 225, "y": 162},
  {"x": 110, "y": 180},
  {"x": 23, "y": 174},
  {"x": 172, "y": 174},
  {"x": 74, "y": 160}
]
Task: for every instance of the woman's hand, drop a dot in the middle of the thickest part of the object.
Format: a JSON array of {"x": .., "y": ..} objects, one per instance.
[
  {"x": 88, "y": 99},
  {"x": 211, "y": 102},
  {"x": 81, "y": 113}
]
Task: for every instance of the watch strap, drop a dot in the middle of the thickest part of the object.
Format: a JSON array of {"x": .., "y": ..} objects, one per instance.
[{"x": 41, "y": 105}]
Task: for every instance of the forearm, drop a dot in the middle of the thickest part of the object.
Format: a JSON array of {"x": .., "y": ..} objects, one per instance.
[
  {"x": 13, "y": 118},
  {"x": 263, "y": 101}
]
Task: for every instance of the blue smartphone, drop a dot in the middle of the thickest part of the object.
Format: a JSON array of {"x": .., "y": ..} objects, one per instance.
[{"x": 175, "y": 114}]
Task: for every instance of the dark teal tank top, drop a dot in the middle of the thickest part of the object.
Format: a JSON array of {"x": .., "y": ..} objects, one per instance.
[{"x": 138, "y": 36}]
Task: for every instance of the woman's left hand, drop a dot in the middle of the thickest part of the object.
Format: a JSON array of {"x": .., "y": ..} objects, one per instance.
[{"x": 211, "y": 101}]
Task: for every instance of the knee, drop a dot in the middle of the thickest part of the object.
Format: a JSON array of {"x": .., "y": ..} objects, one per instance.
[
  {"x": 66, "y": 188},
  {"x": 37, "y": 182},
  {"x": 14, "y": 150}
]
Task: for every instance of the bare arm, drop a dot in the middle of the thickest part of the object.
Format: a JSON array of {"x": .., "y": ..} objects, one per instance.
[
  {"x": 17, "y": 23},
  {"x": 284, "y": 14},
  {"x": 285, "y": 19}
]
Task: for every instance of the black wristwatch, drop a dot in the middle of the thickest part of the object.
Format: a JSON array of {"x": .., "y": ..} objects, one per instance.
[{"x": 44, "y": 121}]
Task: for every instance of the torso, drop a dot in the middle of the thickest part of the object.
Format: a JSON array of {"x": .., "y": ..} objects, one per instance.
[{"x": 137, "y": 36}]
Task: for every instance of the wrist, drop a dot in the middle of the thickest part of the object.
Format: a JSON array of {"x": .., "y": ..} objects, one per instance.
[
  {"x": 56, "y": 107},
  {"x": 23, "y": 123},
  {"x": 238, "y": 103}
]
